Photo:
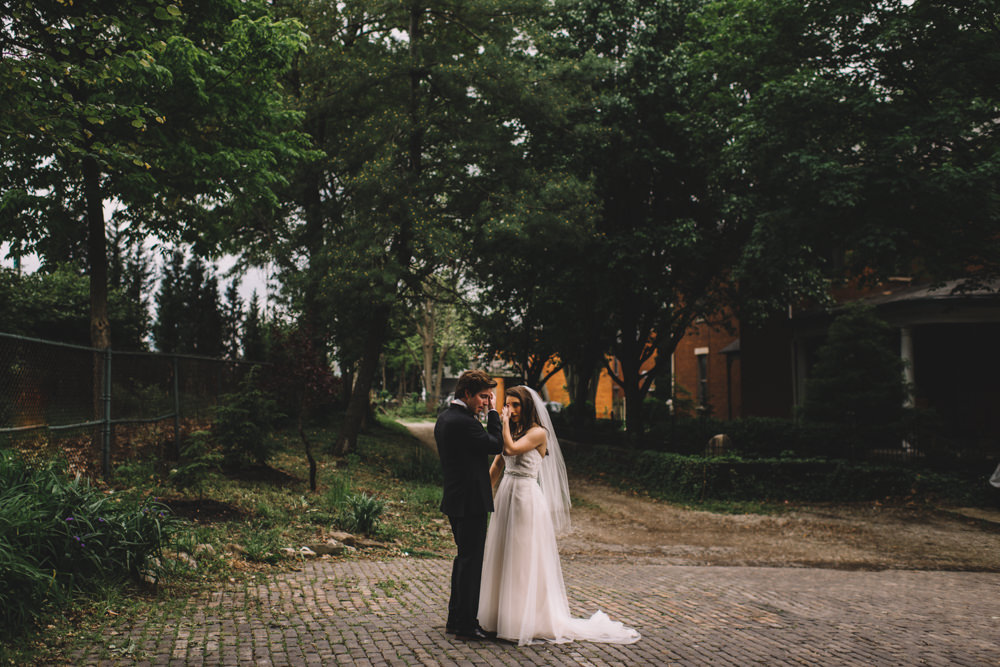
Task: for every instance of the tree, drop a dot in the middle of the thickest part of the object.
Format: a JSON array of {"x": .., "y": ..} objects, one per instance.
[
  {"x": 857, "y": 381},
  {"x": 160, "y": 108},
  {"x": 189, "y": 315},
  {"x": 864, "y": 135},
  {"x": 170, "y": 308},
  {"x": 665, "y": 234},
  {"x": 402, "y": 100},
  {"x": 439, "y": 328},
  {"x": 232, "y": 320},
  {"x": 760, "y": 149},
  {"x": 53, "y": 304},
  {"x": 254, "y": 339}
]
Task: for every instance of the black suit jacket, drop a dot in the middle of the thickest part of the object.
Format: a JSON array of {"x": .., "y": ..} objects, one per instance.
[{"x": 463, "y": 446}]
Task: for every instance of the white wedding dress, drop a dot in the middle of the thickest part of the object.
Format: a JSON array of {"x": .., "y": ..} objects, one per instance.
[{"x": 522, "y": 597}]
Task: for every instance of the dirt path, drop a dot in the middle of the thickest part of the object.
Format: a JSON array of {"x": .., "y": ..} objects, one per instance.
[{"x": 861, "y": 536}]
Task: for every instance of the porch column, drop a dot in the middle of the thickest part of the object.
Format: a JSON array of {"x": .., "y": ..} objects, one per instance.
[{"x": 906, "y": 353}]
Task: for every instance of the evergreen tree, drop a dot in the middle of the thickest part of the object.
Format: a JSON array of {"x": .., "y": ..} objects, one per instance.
[
  {"x": 254, "y": 340},
  {"x": 857, "y": 381},
  {"x": 170, "y": 308},
  {"x": 232, "y": 320},
  {"x": 208, "y": 316},
  {"x": 135, "y": 282}
]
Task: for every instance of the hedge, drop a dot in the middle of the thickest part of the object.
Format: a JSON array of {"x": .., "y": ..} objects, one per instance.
[{"x": 686, "y": 478}]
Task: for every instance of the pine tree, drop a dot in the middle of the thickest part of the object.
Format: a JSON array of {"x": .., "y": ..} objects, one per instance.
[
  {"x": 167, "y": 331},
  {"x": 857, "y": 382},
  {"x": 232, "y": 320},
  {"x": 254, "y": 341}
]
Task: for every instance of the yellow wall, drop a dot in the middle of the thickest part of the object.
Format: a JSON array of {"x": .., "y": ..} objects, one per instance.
[{"x": 607, "y": 393}]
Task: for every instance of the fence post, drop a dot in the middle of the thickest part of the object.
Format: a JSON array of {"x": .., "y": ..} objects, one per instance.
[
  {"x": 106, "y": 425},
  {"x": 177, "y": 409}
]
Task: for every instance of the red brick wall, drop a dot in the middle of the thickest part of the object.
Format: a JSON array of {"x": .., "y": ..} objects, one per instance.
[{"x": 724, "y": 371}]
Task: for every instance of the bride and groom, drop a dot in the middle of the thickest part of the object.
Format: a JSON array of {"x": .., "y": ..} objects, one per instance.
[{"x": 506, "y": 580}]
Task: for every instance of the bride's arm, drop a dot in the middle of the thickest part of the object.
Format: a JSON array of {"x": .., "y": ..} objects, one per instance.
[
  {"x": 530, "y": 440},
  {"x": 496, "y": 469}
]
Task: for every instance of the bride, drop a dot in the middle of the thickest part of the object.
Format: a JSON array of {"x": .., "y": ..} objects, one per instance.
[{"x": 522, "y": 597}]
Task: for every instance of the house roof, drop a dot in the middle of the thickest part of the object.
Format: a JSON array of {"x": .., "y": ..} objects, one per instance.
[{"x": 950, "y": 290}]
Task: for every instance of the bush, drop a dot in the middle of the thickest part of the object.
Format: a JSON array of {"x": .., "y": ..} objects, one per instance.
[
  {"x": 689, "y": 478},
  {"x": 243, "y": 423},
  {"x": 857, "y": 379},
  {"x": 364, "y": 513},
  {"x": 61, "y": 535},
  {"x": 198, "y": 460}
]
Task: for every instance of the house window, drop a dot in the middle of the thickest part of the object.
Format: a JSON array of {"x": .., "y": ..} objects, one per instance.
[{"x": 701, "y": 355}]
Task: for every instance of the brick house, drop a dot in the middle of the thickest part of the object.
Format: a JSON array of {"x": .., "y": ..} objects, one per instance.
[{"x": 948, "y": 340}]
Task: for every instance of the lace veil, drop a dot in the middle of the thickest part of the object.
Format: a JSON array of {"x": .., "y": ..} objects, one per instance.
[{"x": 552, "y": 475}]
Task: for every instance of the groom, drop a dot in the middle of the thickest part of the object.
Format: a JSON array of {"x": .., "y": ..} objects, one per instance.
[{"x": 463, "y": 446}]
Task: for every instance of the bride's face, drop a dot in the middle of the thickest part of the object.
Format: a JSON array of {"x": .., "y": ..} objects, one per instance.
[{"x": 514, "y": 405}]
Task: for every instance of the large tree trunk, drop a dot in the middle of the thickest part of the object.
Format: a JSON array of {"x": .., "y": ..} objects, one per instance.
[
  {"x": 97, "y": 255},
  {"x": 360, "y": 406},
  {"x": 100, "y": 328}
]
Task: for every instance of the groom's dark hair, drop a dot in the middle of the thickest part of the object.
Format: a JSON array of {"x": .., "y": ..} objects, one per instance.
[{"x": 473, "y": 382}]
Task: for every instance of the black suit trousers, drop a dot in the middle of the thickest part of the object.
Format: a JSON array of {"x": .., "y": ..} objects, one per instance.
[{"x": 467, "y": 570}]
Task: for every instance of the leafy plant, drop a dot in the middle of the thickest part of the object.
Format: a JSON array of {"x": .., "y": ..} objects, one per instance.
[
  {"x": 60, "y": 535},
  {"x": 338, "y": 489},
  {"x": 858, "y": 379},
  {"x": 244, "y": 421},
  {"x": 364, "y": 512},
  {"x": 198, "y": 460},
  {"x": 262, "y": 546}
]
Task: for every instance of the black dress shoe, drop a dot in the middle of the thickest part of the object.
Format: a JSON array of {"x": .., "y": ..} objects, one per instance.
[
  {"x": 450, "y": 629},
  {"x": 472, "y": 634},
  {"x": 491, "y": 634}
]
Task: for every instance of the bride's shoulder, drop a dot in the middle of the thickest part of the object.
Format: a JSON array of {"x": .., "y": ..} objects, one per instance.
[{"x": 537, "y": 434}]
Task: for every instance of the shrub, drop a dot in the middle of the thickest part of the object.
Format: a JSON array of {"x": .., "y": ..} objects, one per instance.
[
  {"x": 198, "y": 460},
  {"x": 60, "y": 535},
  {"x": 243, "y": 423},
  {"x": 364, "y": 513},
  {"x": 858, "y": 378},
  {"x": 262, "y": 544},
  {"x": 689, "y": 478}
]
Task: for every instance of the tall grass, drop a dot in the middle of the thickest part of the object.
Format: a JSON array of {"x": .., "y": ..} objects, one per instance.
[{"x": 60, "y": 535}]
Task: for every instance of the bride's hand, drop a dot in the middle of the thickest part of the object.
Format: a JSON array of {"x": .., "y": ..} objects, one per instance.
[{"x": 505, "y": 415}]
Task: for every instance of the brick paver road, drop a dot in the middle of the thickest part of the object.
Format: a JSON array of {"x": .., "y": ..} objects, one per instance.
[{"x": 391, "y": 613}]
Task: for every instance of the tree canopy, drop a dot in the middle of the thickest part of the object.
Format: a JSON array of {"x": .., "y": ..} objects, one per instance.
[{"x": 174, "y": 113}]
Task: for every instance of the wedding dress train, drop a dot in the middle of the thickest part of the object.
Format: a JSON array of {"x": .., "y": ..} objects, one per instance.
[{"x": 523, "y": 597}]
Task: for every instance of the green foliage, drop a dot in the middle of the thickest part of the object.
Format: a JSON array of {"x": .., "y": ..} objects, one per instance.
[
  {"x": 686, "y": 478},
  {"x": 55, "y": 305},
  {"x": 364, "y": 512},
  {"x": 189, "y": 317},
  {"x": 262, "y": 544},
  {"x": 60, "y": 535},
  {"x": 858, "y": 380},
  {"x": 244, "y": 421},
  {"x": 422, "y": 465},
  {"x": 199, "y": 459},
  {"x": 338, "y": 488}
]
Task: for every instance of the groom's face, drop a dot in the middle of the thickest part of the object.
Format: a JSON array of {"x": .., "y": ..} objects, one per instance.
[{"x": 478, "y": 401}]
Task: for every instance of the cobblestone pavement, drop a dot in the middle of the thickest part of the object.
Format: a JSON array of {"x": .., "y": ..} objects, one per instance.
[{"x": 391, "y": 613}]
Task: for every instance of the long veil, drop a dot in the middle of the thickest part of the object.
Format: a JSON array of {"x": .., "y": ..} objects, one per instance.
[{"x": 552, "y": 475}]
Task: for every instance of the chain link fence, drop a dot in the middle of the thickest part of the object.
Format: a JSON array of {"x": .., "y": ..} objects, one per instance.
[{"x": 99, "y": 408}]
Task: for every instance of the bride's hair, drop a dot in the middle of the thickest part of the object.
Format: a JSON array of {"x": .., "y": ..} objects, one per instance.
[{"x": 529, "y": 417}]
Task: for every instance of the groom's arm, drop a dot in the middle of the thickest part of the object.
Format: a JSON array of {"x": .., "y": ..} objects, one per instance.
[{"x": 484, "y": 441}]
